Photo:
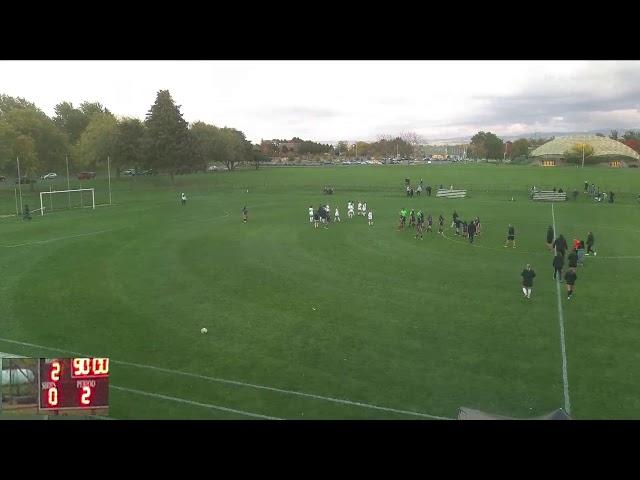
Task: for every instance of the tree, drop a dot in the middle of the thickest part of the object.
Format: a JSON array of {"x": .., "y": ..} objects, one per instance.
[
  {"x": 127, "y": 148},
  {"x": 70, "y": 120},
  {"x": 207, "y": 144},
  {"x": 614, "y": 135},
  {"x": 488, "y": 144},
  {"x": 235, "y": 148},
  {"x": 633, "y": 144},
  {"x": 31, "y": 132},
  {"x": 342, "y": 147},
  {"x": 258, "y": 156},
  {"x": 166, "y": 142},
  {"x": 578, "y": 152},
  {"x": 632, "y": 134},
  {"x": 520, "y": 148},
  {"x": 97, "y": 142}
]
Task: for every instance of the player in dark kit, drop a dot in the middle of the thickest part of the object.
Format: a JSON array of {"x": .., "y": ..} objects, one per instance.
[
  {"x": 471, "y": 231},
  {"x": 590, "y": 243},
  {"x": 455, "y": 217},
  {"x": 573, "y": 260},
  {"x": 570, "y": 277},
  {"x": 560, "y": 244},
  {"x": 527, "y": 280},
  {"x": 550, "y": 236},
  {"x": 420, "y": 224},
  {"x": 245, "y": 214},
  {"x": 558, "y": 263},
  {"x": 441, "y": 224},
  {"x": 412, "y": 218},
  {"x": 429, "y": 223},
  {"x": 511, "y": 236}
]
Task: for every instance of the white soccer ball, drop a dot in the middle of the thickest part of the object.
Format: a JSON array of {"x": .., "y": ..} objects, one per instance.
[
  {"x": 203, "y": 330},
  {"x": 595, "y": 253}
]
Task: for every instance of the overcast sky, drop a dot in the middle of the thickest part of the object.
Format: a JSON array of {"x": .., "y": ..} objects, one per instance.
[{"x": 334, "y": 100}]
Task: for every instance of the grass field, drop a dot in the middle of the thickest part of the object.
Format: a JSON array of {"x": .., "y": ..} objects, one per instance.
[{"x": 400, "y": 325}]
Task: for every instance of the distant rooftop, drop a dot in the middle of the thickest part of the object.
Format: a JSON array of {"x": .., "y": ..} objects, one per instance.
[{"x": 602, "y": 147}]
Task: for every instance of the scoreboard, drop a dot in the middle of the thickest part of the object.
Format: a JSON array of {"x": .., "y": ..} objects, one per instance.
[{"x": 73, "y": 383}]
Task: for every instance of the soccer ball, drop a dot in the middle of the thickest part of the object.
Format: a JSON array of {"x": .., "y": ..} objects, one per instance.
[
  {"x": 595, "y": 253},
  {"x": 203, "y": 330}
]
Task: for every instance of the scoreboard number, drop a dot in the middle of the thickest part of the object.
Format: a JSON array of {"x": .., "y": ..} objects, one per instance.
[{"x": 73, "y": 383}]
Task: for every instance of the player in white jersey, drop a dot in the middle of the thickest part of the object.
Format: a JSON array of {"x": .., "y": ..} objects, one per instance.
[
  {"x": 310, "y": 214},
  {"x": 359, "y": 208},
  {"x": 370, "y": 217},
  {"x": 337, "y": 215},
  {"x": 364, "y": 208},
  {"x": 350, "y": 209}
]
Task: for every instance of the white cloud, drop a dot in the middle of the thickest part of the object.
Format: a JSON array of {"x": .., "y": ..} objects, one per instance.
[{"x": 330, "y": 100}]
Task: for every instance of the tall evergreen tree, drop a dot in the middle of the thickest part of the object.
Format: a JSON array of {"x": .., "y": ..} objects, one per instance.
[{"x": 167, "y": 136}]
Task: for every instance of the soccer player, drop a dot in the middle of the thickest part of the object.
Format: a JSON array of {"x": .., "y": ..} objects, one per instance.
[
  {"x": 457, "y": 223},
  {"x": 527, "y": 280},
  {"x": 420, "y": 224},
  {"x": 429, "y": 223},
  {"x": 310, "y": 214},
  {"x": 576, "y": 244},
  {"x": 183, "y": 199},
  {"x": 511, "y": 236},
  {"x": 403, "y": 218},
  {"x": 560, "y": 244},
  {"x": 245, "y": 214},
  {"x": 590, "y": 243},
  {"x": 549, "y": 236},
  {"x": 586, "y": 186},
  {"x": 412, "y": 218},
  {"x": 471, "y": 230},
  {"x": 573, "y": 260},
  {"x": 558, "y": 263},
  {"x": 455, "y": 217},
  {"x": 359, "y": 208},
  {"x": 364, "y": 209},
  {"x": 316, "y": 219},
  {"x": 27, "y": 213},
  {"x": 327, "y": 209},
  {"x": 580, "y": 252},
  {"x": 570, "y": 277},
  {"x": 350, "y": 209},
  {"x": 428, "y": 190},
  {"x": 337, "y": 215},
  {"x": 441, "y": 224},
  {"x": 370, "y": 217},
  {"x": 465, "y": 229},
  {"x": 478, "y": 226},
  {"x": 419, "y": 190},
  {"x": 610, "y": 197}
]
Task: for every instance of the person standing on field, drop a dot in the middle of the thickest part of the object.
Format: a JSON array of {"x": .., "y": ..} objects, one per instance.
[
  {"x": 560, "y": 244},
  {"x": 590, "y": 243},
  {"x": 183, "y": 199},
  {"x": 550, "y": 235},
  {"x": 558, "y": 264},
  {"x": 528, "y": 274},
  {"x": 570, "y": 277}
]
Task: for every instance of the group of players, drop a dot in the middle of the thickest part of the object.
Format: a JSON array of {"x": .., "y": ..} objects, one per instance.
[
  {"x": 322, "y": 215},
  {"x": 575, "y": 257}
]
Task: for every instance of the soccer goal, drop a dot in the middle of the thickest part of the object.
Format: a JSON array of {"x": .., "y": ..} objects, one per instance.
[{"x": 65, "y": 199}]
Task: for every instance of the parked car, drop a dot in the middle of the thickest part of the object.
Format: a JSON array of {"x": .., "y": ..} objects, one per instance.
[
  {"x": 151, "y": 171},
  {"x": 129, "y": 171},
  {"x": 212, "y": 168},
  {"x": 24, "y": 180},
  {"x": 49, "y": 176},
  {"x": 86, "y": 175}
]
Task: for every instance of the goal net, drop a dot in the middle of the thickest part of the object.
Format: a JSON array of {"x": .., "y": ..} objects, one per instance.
[{"x": 67, "y": 199}]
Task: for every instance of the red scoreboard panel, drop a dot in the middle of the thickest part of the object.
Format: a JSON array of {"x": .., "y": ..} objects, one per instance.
[{"x": 73, "y": 383}]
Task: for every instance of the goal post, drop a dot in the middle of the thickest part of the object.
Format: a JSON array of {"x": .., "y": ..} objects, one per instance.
[{"x": 80, "y": 190}]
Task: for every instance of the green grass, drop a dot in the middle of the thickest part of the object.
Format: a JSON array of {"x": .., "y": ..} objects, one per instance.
[{"x": 425, "y": 326}]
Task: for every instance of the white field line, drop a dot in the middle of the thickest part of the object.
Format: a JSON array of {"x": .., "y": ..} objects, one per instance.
[
  {"x": 242, "y": 384},
  {"x": 166, "y": 397},
  {"x": 197, "y": 404},
  {"x": 565, "y": 378},
  {"x": 40, "y": 242}
]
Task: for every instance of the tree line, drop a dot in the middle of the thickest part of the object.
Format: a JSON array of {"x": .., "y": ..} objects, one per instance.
[{"x": 90, "y": 133}]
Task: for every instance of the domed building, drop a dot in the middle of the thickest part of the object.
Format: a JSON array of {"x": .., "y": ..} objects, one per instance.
[{"x": 605, "y": 151}]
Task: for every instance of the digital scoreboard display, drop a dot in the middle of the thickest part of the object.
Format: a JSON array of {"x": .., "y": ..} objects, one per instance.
[{"x": 73, "y": 383}]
